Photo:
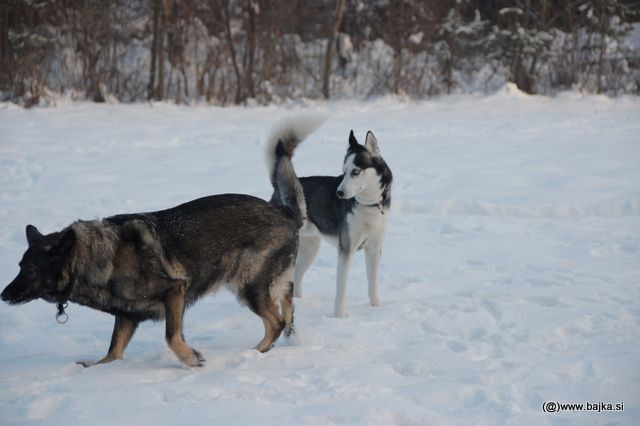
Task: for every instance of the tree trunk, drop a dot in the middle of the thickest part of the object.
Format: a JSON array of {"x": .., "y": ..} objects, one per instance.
[
  {"x": 604, "y": 29},
  {"x": 398, "y": 20},
  {"x": 251, "y": 48},
  {"x": 267, "y": 43},
  {"x": 224, "y": 10},
  {"x": 543, "y": 15},
  {"x": 154, "y": 50},
  {"x": 340, "y": 6},
  {"x": 162, "y": 29}
]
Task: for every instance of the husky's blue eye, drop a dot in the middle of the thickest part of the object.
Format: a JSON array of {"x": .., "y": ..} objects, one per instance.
[{"x": 355, "y": 172}]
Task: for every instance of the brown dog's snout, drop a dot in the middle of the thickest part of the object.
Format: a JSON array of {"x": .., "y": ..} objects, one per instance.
[
  {"x": 7, "y": 291},
  {"x": 16, "y": 292}
]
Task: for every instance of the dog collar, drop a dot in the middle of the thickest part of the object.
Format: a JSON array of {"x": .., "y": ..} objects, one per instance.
[
  {"x": 61, "y": 315},
  {"x": 378, "y": 205}
]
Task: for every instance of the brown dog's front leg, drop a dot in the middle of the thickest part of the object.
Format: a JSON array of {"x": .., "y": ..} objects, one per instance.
[
  {"x": 123, "y": 330},
  {"x": 174, "y": 312}
]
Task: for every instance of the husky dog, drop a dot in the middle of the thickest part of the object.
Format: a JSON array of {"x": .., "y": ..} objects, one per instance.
[
  {"x": 154, "y": 265},
  {"x": 351, "y": 209}
]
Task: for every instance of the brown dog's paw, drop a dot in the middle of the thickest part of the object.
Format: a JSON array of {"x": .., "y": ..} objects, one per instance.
[
  {"x": 289, "y": 331},
  {"x": 264, "y": 347},
  {"x": 86, "y": 364},
  {"x": 200, "y": 361}
]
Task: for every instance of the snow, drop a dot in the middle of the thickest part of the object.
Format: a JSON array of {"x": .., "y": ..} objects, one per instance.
[{"x": 509, "y": 274}]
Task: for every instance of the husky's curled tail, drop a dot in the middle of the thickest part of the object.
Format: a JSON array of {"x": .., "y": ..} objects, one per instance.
[{"x": 285, "y": 136}]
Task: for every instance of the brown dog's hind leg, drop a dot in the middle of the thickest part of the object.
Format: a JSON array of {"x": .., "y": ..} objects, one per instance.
[
  {"x": 273, "y": 326},
  {"x": 174, "y": 312},
  {"x": 264, "y": 298},
  {"x": 262, "y": 304},
  {"x": 123, "y": 330}
]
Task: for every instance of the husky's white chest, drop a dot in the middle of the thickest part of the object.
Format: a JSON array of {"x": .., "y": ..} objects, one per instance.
[{"x": 367, "y": 225}]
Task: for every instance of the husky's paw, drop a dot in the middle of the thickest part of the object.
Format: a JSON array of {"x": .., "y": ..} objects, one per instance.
[
  {"x": 342, "y": 313},
  {"x": 375, "y": 302}
]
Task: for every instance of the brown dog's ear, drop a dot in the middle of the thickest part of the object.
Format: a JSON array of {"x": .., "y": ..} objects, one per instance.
[
  {"x": 62, "y": 255},
  {"x": 67, "y": 242},
  {"x": 33, "y": 235}
]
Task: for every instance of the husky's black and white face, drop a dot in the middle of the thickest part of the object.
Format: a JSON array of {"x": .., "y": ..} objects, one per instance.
[{"x": 366, "y": 175}]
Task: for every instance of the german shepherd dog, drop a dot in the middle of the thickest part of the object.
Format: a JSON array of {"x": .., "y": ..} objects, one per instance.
[
  {"x": 152, "y": 266},
  {"x": 350, "y": 209}
]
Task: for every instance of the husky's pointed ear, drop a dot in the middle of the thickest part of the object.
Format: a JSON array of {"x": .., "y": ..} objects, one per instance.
[
  {"x": 33, "y": 235},
  {"x": 372, "y": 144},
  {"x": 353, "y": 142}
]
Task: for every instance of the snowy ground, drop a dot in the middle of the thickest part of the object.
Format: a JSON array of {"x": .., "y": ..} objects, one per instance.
[{"x": 510, "y": 274}]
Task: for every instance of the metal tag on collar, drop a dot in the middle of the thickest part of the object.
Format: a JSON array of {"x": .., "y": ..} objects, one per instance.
[{"x": 61, "y": 315}]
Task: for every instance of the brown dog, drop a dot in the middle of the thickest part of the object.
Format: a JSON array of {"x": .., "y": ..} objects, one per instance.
[{"x": 154, "y": 265}]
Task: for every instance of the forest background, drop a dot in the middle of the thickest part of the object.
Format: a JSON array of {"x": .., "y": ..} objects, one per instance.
[{"x": 269, "y": 51}]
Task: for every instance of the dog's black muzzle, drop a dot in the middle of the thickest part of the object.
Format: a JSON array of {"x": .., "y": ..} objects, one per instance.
[{"x": 18, "y": 293}]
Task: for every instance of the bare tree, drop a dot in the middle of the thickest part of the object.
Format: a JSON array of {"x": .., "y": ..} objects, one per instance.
[
  {"x": 155, "y": 46},
  {"x": 328, "y": 61}
]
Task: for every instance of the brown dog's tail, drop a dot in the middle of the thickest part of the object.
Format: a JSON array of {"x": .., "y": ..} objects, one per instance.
[{"x": 285, "y": 136}]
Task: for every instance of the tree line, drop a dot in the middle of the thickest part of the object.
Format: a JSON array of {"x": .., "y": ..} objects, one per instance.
[{"x": 263, "y": 51}]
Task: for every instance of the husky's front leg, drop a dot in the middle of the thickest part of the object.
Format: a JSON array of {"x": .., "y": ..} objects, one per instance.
[
  {"x": 123, "y": 330},
  {"x": 344, "y": 261},
  {"x": 307, "y": 251},
  {"x": 372, "y": 259}
]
